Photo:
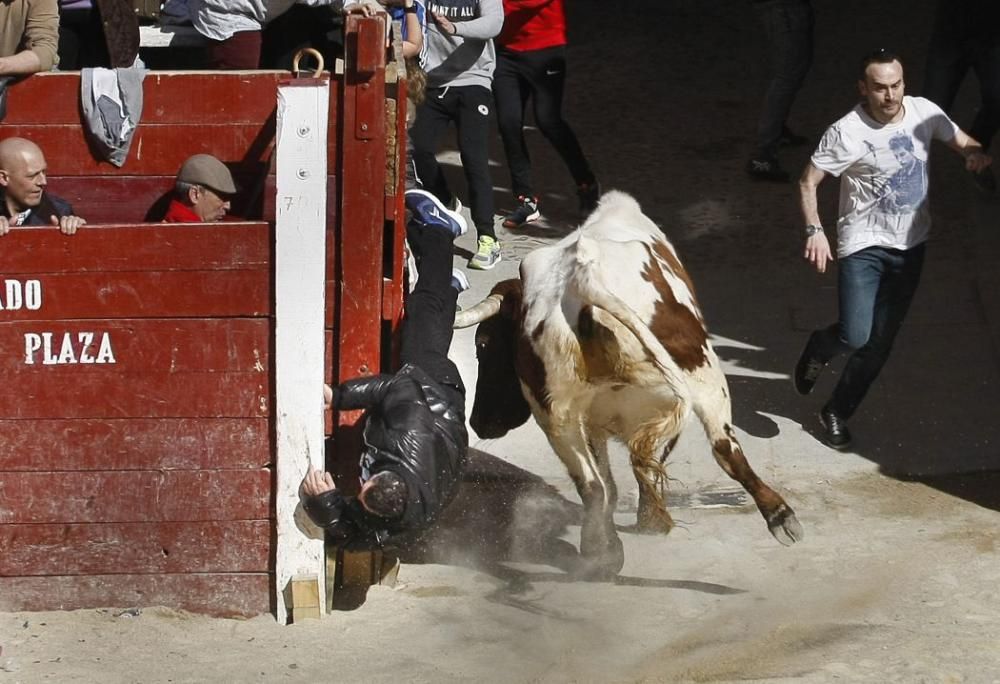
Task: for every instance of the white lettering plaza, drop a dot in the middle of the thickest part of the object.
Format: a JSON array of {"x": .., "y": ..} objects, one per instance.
[{"x": 81, "y": 347}]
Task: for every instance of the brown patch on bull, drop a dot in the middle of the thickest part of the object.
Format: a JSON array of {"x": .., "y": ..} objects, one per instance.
[
  {"x": 530, "y": 367},
  {"x": 598, "y": 348},
  {"x": 677, "y": 327}
]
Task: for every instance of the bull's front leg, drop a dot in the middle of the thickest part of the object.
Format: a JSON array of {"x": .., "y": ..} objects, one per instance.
[{"x": 601, "y": 550}]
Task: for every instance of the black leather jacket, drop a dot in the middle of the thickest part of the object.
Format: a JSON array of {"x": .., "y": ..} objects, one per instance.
[{"x": 414, "y": 428}]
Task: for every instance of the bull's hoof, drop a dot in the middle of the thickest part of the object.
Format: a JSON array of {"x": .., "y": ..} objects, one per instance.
[
  {"x": 784, "y": 526},
  {"x": 652, "y": 520},
  {"x": 596, "y": 570},
  {"x": 600, "y": 562}
]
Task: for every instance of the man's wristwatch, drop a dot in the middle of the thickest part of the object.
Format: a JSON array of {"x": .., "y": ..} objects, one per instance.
[{"x": 812, "y": 229}]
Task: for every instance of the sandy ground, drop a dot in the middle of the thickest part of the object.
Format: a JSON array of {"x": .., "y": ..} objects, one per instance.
[{"x": 897, "y": 579}]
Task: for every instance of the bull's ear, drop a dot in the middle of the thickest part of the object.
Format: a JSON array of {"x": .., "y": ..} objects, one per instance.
[{"x": 513, "y": 293}]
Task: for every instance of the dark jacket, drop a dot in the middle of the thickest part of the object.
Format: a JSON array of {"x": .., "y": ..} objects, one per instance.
[
  {"x": 415, "y": 428},
  {"x": 42, "y": 214}
]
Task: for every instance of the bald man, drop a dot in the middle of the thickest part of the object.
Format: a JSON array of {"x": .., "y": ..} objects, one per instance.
[{"x": 23, "y": 200}]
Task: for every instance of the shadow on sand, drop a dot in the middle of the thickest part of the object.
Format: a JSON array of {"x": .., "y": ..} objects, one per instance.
[{"x": 509, "y": 523}]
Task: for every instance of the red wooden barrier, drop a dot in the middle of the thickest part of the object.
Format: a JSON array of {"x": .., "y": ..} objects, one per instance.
[{"x": 136, "y": 433}]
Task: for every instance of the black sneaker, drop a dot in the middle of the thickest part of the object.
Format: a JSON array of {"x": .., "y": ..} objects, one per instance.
[
  {"x": 526, "y": 212},
  {"x": 985, "y": 181},
  {"x": 767, "y": 170},
  {"x": 791, "y": 139},
  {"x": 808, "y": 367},
  {"x": 835, "y": 432},
  {"x": 590, "y": 195}
]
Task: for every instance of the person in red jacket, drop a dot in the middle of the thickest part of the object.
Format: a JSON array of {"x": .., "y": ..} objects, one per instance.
[
  {"x": 531, "y": 63},
  {"x": 202, "y": 192}
]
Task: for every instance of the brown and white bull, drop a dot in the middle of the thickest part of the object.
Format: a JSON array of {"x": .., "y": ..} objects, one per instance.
[{"x": 602, "y": 337}]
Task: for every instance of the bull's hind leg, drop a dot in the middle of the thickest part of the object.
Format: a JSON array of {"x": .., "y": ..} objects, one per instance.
[
  {"x": 717, "y": 421},
  {"x": 650, "y": 473}
]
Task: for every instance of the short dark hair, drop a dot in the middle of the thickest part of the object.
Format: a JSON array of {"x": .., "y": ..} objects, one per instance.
[
  {"x": 386, "y": 495},
  {"x": 880, "y": 56}
]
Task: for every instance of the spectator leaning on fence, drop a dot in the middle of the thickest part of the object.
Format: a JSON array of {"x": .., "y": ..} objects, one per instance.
[
  {"x": 29, "y": 36},
  {"x": 23, "y": 199},
  {"x": 202, "y": 191}
]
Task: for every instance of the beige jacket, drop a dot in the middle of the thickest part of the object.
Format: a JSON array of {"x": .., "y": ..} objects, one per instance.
[{"x": 30, "y": 25}]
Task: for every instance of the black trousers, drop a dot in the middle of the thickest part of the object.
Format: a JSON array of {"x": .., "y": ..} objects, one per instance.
[
  {"x": 469, "y": 108},
  {"x": 430, "y": 309},
  {"x": 966, "y": 38},
  {"x": 541, "y": 76}
]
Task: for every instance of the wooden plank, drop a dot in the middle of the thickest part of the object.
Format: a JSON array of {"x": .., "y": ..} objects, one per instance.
[
  {"x": 135, "y": 496},
  {"x": 61, "y": 392},
  {"x": 139, "y": 345},
  {"x": 134, "y": 444},
  {"x": 135, "y": 548},
  {"x": 138, "y": 199},
  {"x": 142, "y": 247},
  {"x": 140, "y": 294},
  {"x": 359, "y": 303},
  {"x": 216, "y": 594},
  {"x": 156, "y": 149},
  {"x": 168, "y": 98},
  {"x": 300, "y": 276}
]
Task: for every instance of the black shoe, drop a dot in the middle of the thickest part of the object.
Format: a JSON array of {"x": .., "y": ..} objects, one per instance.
[
  {"x": 985, "y": 181},
  {"x": 589, "y": 194},
  {"x": 767, "y": 170},
  {"x": 791, "y": 139},
  {"x": 808, "y": 367},
  {"x": 526, "y": 212},
  {"x": 835, "y": 432}
]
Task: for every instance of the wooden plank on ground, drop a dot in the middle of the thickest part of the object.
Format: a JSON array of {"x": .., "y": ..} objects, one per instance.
[
  {"x": 135, "y": 496},
  {"x": 134, "y": 444},
  {"x": 135, "y": 548},
  {"x": 218, "y": 594}
]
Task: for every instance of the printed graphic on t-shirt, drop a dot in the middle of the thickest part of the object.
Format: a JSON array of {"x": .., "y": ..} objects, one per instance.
[
  {"x": 905, "y": 189},
  {"x": 455, "y": 10}
]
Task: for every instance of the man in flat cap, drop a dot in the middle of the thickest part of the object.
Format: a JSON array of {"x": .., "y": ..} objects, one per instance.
[
  {"x": 202, "y": 192},
  {"x": 24, "y": 200}
]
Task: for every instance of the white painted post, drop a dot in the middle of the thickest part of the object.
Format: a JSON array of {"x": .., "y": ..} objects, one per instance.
[{"x": 300, "y": 272}]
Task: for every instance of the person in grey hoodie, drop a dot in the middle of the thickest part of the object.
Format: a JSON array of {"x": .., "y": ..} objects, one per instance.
[{"x": 459, "y": 64}]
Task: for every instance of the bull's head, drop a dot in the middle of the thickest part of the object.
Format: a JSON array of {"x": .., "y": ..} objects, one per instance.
[{"x": 499, "y": 406}]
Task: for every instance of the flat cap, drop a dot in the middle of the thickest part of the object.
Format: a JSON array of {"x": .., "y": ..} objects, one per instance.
[{"x": 204, "y": 169}]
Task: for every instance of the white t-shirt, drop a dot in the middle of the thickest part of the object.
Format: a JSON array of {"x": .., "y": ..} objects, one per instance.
[{"x": 883, "y": 174}]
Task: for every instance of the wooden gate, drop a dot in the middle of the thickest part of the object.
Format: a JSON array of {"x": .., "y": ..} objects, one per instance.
[{"x": 137, "y": 424}]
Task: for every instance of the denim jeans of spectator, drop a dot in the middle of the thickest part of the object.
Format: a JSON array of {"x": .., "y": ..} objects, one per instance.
[
  {"x": 876, "y": 286},
  {"x": 788, "y": 28}
]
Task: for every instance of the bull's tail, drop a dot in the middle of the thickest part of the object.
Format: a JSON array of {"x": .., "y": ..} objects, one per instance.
[{"x": 591, "y": 287}]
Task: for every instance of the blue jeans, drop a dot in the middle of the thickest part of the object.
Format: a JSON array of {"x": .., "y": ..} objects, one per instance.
[
  {"x": 788, "y": 27},
  {"x": 876, "y": 286}
]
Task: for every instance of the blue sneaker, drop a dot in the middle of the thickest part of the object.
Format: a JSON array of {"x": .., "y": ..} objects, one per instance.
[
  {"x": 459, "y": 281},
  {"x": 428, "y": 210}
]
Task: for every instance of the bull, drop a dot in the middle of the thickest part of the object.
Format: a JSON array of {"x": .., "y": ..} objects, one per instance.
[{"x": 601, "y": 337}]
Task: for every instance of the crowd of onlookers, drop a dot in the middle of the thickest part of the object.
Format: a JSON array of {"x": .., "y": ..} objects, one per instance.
[{"x": 464, "y": 58}]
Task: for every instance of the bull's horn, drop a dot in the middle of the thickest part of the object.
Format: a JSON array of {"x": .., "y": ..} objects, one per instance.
[{"x": 479, "y": 313}]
